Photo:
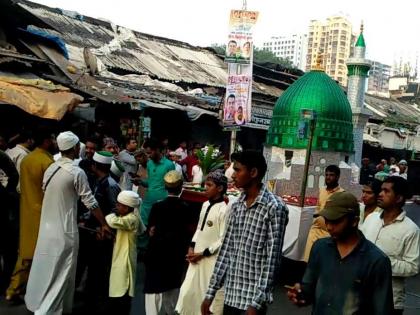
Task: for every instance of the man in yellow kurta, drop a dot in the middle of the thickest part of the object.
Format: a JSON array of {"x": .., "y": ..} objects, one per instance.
[
  {"x": 32, "y": 171},
  {"x": 318, "y": 229}
]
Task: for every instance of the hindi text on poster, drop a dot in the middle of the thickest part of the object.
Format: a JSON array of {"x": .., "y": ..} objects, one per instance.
[{"x": 240, "y": 42}]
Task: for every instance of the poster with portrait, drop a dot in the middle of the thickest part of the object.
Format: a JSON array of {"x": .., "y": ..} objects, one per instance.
[
  {"x": 240, "y": 43},
  {"x": 237, "y": 106}
]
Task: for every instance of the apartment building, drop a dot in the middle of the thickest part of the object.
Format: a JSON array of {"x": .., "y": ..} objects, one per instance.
[
  {"x": 292, "y": 47},
  {"x": 379, "y": 77},
  {"x": 330, "y": 44}
]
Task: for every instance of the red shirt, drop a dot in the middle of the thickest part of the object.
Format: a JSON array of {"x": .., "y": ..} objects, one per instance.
[{"x": 189, "y": 161}]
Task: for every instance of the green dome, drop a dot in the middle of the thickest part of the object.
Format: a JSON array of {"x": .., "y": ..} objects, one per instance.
[{"x": 317, "y": 91}]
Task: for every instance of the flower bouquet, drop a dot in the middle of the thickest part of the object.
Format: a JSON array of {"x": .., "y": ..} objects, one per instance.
[{"x": 210, "y": 159}]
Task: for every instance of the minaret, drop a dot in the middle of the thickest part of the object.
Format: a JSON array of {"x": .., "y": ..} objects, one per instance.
[{"x": 358, "y": 68}]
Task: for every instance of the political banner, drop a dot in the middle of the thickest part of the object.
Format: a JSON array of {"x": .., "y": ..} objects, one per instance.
[
  {"x": 240, "y": 42},
  {"x": 237, "y": 107}
]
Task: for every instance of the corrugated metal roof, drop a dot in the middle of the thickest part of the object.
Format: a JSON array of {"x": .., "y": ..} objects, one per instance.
[
  {"x": 153, "y": 94},
  {"x": 139, "y": 53},
  {"x": 384, "y": 108},
  {"x": 18, "y": 55}
]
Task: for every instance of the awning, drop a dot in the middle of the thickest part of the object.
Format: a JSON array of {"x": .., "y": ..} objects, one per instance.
[
  {"x": 372, "y": 140},
  {"x": 196, "y": 112},
  {"x": 38, "y": 97},
  {"x": 193, "y": 112},
  {"x": 145, "y": 104}
]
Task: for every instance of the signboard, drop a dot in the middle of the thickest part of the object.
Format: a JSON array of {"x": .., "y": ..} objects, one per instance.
[
  {"x": 260, "y": 117},
  {"x": 302, "y": 132},
  {"x": 231, "y": 128},
  {"x": 240, "y": 42},
  {"x": 306, "y": 115},
  {"x": 237, "y": 107},
  {"x": 147, "y": 124},
  {"x": 309, "y": 114},
  {"x": 146, "y": 127}
]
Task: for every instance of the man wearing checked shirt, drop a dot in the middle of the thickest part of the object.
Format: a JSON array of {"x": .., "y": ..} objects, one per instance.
[{"x": 251, "y": 250}]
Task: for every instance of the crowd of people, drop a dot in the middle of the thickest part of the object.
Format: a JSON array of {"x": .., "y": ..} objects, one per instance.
[
  {"x": 359, "y": 256},
  {"x": 369, "y": 171},
  {"x": 79, "y": 218},
  {"x": 72, "y": 221}
]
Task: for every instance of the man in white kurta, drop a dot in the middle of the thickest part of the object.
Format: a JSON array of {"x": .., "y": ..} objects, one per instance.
[
  {"x": 51, "y": 282},
  {"x": 21, "y": 150},
  {"x": 396, "y": 235}
]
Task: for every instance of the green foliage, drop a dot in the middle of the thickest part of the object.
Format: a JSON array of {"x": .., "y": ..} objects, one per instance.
[
  {"x": 210, "y": 159},
  {"x": 219, "y": 49},
  {"x": 260, "y": 56}
]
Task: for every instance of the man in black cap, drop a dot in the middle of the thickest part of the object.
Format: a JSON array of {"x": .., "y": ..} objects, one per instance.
[{"x": 346, "y": 273}]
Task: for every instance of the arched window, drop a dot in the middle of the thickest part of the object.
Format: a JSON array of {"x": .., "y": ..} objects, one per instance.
[
  {"x": 321, "y": 182},
  {"x": 311, "y": 181}
]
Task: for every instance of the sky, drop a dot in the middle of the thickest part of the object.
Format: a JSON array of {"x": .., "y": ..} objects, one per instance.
[{"x": 391, "y": 27}]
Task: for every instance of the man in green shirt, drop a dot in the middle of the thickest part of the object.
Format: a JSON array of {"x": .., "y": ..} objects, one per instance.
[
  {"x": 157, "y": 167},
  {"x": 346, "y": 273}
]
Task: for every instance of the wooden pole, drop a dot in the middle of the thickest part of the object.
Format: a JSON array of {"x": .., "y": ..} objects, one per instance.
[
  {"x": 232, "y": 142},
  {"x": 307, "y": 159}
]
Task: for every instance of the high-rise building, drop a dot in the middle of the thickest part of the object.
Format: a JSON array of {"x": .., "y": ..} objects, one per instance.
[
  {"x": 292, "y": 47},
  {"x": 330, "y": 42},
  {"x": 379, "y": 77},
  {"x": 406, "y": 64}
]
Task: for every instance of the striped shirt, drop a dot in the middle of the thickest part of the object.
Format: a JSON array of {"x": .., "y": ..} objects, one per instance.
[{"x": 251, "y": 251}]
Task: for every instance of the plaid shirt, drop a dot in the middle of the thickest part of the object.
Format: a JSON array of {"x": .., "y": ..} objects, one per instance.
[{"x": 251, "y": 251}]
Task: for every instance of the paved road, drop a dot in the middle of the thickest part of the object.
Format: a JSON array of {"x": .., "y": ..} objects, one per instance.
[{"x": 280, "y": 306}]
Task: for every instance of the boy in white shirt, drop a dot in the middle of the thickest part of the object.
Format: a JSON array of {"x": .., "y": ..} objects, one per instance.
[{"x": 124, "y": 256}]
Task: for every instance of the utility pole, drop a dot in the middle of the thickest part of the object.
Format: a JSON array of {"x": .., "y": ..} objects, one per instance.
[
  {"x": 311, "y": 116},
  {"x": 233, "y": 133}
]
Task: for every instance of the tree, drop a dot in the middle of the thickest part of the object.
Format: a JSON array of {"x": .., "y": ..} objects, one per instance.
[
  {"x": 219, "y": 49},
  {"x": 260, "y": 56}
]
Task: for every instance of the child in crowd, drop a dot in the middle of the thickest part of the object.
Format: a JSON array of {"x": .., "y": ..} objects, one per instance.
[
  {"x": 124, "y": 256},
  {"x": 165, "y": 263},
  {"x": 204, "y": 248}
]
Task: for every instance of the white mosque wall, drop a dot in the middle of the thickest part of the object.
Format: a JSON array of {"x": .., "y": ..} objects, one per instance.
[{"x": 288, "y": 171}]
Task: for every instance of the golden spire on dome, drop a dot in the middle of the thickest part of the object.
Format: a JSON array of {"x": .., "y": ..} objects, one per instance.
[{"x": 319, "y": 62}]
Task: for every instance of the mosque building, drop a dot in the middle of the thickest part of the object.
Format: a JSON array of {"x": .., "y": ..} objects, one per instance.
[{"x": 338, "y": 133}]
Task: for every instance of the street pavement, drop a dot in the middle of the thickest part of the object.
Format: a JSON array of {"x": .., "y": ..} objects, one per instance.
[{"x": 280, "y": 305}]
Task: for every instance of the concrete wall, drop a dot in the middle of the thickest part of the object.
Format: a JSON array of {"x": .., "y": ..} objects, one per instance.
[
  {"x": 396, "y": 83},
  {"x": 289, "y": 177},
  {"x": 392, "y": 140}
]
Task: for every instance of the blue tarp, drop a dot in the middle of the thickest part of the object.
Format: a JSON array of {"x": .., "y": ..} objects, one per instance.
[{"x": 52, "y": 38}]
